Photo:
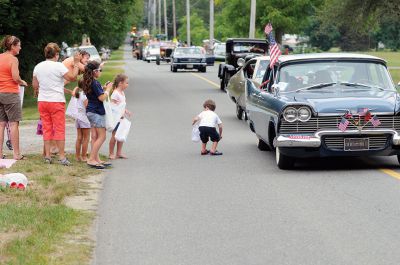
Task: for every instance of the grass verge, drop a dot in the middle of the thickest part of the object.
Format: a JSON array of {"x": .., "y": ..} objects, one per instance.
[{"x": 35, "y": 222}]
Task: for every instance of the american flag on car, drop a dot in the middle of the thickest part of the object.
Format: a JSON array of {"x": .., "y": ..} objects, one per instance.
[
  {"x": 274, "y": 50},
  {"x": 343, "y": 124},
  {"x": 375, "y": 121}
]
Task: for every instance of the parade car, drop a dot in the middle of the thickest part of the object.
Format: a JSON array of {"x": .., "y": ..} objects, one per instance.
[
  {"x": 188, "y": 58},
  {"x": 235, "y": 49},
  {"x": 320, "y": 105},
  {"x": 152, "y": 52},
  {"x": 254, "y": 69}
]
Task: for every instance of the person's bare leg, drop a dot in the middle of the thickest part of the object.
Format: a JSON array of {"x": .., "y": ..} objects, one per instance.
[
  {"x": 97, "y": 143},
  {"x": 14, "y": 129},
  {"x": 2, "y": 128},
  {"x": 214, "y": 147},
  {"x": 46, "y": 144},
  {"x": 119, "y": 150},
  {"x": 111, "y": 147},
  {"x": 78, "y": 144},
  {"x": 85, "y": 143},
  {"x": 93, "y": 137},
  {"x": 61, "y": 149},
  {"x": 203, "y": 147}
]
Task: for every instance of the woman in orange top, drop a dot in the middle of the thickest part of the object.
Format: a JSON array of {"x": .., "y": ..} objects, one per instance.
[{"x": 10, "y": 103}]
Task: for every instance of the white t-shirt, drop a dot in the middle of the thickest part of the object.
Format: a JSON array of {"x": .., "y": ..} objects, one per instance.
[
  {"x": 80, "y": 105},
  {"x": 50, "y": 75},
  {"x": 209, "y": 118},
  {"x": 118, "y": 96}
]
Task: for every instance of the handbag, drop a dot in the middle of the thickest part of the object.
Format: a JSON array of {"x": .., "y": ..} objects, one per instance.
[
  {"x": 110, "y": 122},
  {"x": 39, "y": 128},
  {"x": 195, "y": 133},
  {"x": 72, "y": 109},
  {"x": 123, "y": 130}
]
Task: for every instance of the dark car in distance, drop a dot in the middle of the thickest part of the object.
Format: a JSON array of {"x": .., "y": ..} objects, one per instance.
[
  {"x": 188, "y": 58},
  {"x": 322, "y": 105},
  {"x": 236, "y": 48}
]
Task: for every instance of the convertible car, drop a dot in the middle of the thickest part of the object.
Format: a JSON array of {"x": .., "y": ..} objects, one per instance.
[
  {"x": 319, "y": 105},
  {"x": 254, "y": 69}
]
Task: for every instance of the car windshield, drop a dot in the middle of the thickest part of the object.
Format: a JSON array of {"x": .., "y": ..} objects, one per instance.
[
  {"x": 91, "y": 50},
  {"x": 241, "y": 47},
  {"x": 220, "y": 48},
  {"x": 328, "y": 74},
  {"x": 187, "y": 51}
]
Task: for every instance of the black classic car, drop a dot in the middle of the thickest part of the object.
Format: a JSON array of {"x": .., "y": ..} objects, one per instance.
[
  {"x": 188, "y": 58},
  {"x": 235, "y": 49},
  {"x": 319, "y": 105}
]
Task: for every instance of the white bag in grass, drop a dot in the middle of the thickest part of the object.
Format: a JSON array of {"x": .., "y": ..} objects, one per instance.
[
  {"x": 123, "y": 130},
  {"x": 195, "y": 133}
]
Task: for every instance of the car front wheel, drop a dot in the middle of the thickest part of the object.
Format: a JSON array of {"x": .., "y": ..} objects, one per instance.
[
  {"x": 283, "y": 161},
  {"x": 262, "y": 146}
]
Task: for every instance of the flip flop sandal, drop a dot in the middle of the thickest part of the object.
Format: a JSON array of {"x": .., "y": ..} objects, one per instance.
[
  {"x": 216, "y": 153},
  {"x": 97, "y": 166},
  {"x": 106, "y": 164},
  {"x": 205, "y": 153},
  {"x": 22, "y": 157},
  {"x": 48, "y": 160}
]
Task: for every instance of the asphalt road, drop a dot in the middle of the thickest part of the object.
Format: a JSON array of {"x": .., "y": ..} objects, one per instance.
[{"x": 167, "y": 205}]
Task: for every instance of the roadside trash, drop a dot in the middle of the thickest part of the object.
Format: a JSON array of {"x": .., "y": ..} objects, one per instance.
[
  {"x": 195, "y": 133},
  {"x": 14, "y": 181},
  {"x": 7, "y": 163}
]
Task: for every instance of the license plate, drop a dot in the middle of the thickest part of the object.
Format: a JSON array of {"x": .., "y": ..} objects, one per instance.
[
  {"x": 356, "y": 144},
  {"x": 189, "y": 66}
]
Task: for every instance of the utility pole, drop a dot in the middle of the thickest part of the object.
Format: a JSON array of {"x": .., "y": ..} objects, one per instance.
[
  {"x": 154, "y": 15},
  {"x": 165, "y": 19},
  {"x": 211, "y": 23},
  {"x": 149, "y": 14},
  {"x": 252, "y": 19},
  {"x": 188, "y": 21},
  {"x": 173, "y": 18},
  {"x": 159, "y": 16}
]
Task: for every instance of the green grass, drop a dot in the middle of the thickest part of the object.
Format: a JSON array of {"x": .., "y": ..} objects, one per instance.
[
  {"x": 392, "y": 58},
  {"x": 110, "y": 70},
  {"x": 36, "y": 221}
]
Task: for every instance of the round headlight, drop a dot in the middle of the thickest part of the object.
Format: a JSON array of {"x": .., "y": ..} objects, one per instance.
[
  {"x": 303, "y": 114},
  {"x": 290, "y": 114}
]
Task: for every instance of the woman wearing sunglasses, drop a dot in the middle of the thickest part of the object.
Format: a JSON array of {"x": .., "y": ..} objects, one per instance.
[{"x": 95, "y": 111}]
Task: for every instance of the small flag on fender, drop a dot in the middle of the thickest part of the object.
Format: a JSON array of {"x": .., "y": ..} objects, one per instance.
[{"x": 375, "y": 121}]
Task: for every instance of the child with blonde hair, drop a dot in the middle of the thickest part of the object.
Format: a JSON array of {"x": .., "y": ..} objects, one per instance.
[{"x": 121, "y": 83}]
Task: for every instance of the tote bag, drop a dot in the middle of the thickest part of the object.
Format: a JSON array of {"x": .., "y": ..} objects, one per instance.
[
  {"x": 110, "y": 122},
  {"x": 123, "y": 130},
  {"x": 72, "y": 109}
]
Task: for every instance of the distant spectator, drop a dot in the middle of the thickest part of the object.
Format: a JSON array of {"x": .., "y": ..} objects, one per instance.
[
  {"x": 10, "y": 102},
  {"x": 48, "y": 84}
]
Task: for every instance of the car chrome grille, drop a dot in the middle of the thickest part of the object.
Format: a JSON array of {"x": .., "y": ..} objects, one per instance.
[
  {"x": 190, "y": 60},
  {"x": 336, "y": 143},
  {"x": 315, "y": 124}
]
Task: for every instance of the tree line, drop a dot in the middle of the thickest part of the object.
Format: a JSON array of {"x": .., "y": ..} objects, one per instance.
[
  {"x": 349, "y": 24},
  {"x": 37, "y": 23}
]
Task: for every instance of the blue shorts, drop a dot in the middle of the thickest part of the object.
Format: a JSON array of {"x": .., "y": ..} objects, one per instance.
[{"x": 96, "y": 120}]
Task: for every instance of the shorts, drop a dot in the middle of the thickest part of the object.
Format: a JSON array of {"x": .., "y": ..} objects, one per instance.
[
  {"x": 208, "y": 133},
  {"x": 10, "y": 107},
  {"x": 81, "y": 124},
  {"x": 96, "y": 120},
  {"x": 52, "y": 115}
]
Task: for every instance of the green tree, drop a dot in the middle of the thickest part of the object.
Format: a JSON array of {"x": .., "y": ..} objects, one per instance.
[{"x": 197, "y": 29}]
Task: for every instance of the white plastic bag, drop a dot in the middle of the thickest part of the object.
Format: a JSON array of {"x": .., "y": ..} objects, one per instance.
[
  {"x": 110, "y": 122},
  {"x": 72, "y": 109},
  {"x": 195, "y": 133},
  {"x": 123, "y": 130},
  {"x": 118, "y": 111}
]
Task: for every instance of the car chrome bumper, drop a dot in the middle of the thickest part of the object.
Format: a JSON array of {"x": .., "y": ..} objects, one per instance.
[
  {"x": 314, "y": 140},
  {"x": 194, "y": 64}
]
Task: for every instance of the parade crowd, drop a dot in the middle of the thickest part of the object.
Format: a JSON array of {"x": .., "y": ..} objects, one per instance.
[{"x": 49, "y": 79}]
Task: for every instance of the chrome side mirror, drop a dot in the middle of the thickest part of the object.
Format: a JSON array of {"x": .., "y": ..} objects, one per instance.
[
  {"x": 275, "y": 89},
  {"x": 240, "y": 62}
]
